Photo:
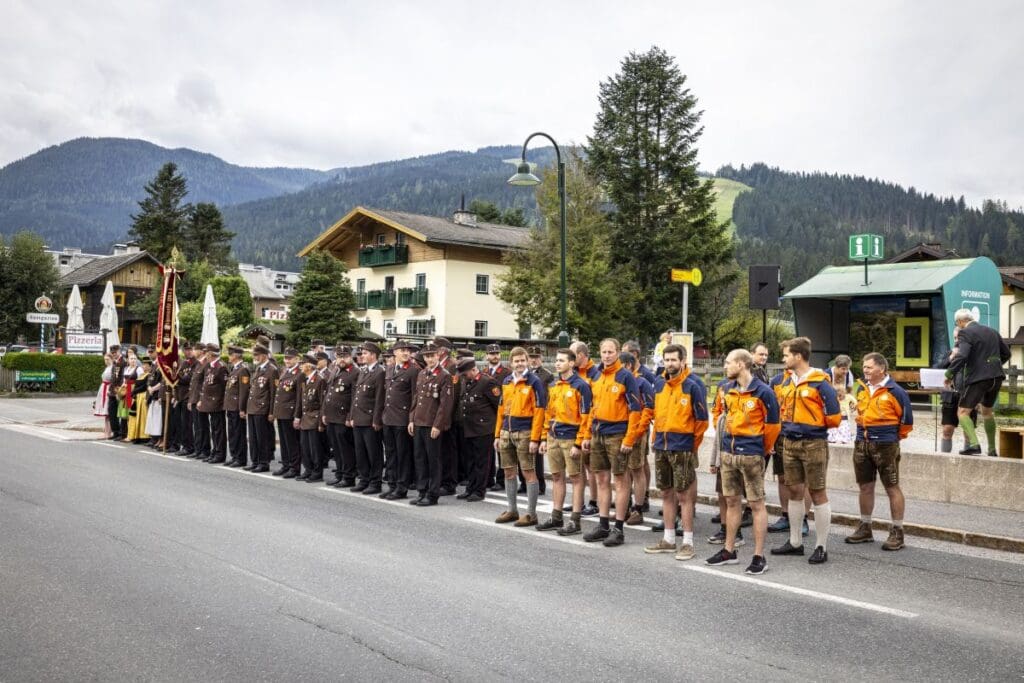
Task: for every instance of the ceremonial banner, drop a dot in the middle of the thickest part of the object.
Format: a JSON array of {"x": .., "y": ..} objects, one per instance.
[{"x": 167, "y": 329}]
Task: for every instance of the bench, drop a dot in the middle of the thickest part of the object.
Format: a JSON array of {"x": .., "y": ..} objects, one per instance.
[{"x": 1011, "y": 442}]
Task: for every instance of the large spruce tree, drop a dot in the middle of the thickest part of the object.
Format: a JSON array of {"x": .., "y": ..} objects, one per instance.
[
  {"x": 206, "y": 239},
  {"x": 643, "y": 152},
  {"x": 321, "y": 305},
  {"x": 160, "y": 224}
]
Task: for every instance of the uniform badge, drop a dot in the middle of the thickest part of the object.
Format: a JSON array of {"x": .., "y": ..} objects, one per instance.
[
  {"x": 615, "y": 388},
  {"x": 883, "y": 397},
  {"x": 245, "y": 379},
  {"x": 524, "y": 391},
  {"x": 684, "y": 401},
  {"x": 750, "y": 405},
  {"x": 568, "y": 393},
  {"x": 805, "y": 393},
  {"x": 496, "y": 391},
  {"x": 455, "y": 379}
]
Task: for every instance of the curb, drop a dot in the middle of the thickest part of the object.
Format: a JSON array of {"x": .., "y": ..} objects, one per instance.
[{"x": 971, "y": 538}]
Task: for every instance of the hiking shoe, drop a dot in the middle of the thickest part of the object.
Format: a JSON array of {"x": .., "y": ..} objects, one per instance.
[
  {"x": 636, "y": 518},
  {"x": 971, "y": 450},
  {"x": 757, "y": 565},
  {"x": 778, "y": 526},
  {"x": 506, "y": 517},
  {"x": 685, "y": 552},
  {"x": 526, "y": 520},
  {"x": 646, "y": 506},
  {"x": 596, "y": 534},
  {"x": 550, "y": 525},
  {"x": 718, "y": 538},
  {"x": 589, "y": 510},
  {"x": 747, "y": 519},
  {"x": 895, "y": 540},
  {"x": 662, "y": 546},
  {"x": 723, "y": 556},
  {"x": 861, "y": 535},
  {"x": 571, "y": 528},
  {"x": 615, "y": 537},
  {"x": 717, "y": 519},
  {"x": 819, "y": 556},
  {"x": 788, "y": 548}
]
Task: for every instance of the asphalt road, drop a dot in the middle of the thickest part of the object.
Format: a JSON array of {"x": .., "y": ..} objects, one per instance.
[{"x": 117, "y": 563}]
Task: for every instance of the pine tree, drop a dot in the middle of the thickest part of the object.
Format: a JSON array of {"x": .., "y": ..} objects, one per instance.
[
  {"x": 643, "y": 152},
  {"x": 206, "y": 239},
  {"x": 160, "y": 224},
  {"x": 26, "y": 272},
  {"x": 321, "y": 305}
]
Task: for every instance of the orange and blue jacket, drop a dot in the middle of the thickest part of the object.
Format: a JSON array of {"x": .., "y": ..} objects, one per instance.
[
  {"x": 751, "y": 419},
  {"x": 647, "y": 401},
  {"x": 718, "y": 407},
  {"x": 885, "y": 417},
  {"x": 617, "y": 405},
  {"x": 680, "y": 412},
  {"x": 522, "y": 404},
  {"x": 808, "y": 407},
  {"x": 568, "y": 412},
  {"x": 589, "y": 372}
]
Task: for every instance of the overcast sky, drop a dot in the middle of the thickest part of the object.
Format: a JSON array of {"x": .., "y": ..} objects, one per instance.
[{"x": 921, "y": 93}]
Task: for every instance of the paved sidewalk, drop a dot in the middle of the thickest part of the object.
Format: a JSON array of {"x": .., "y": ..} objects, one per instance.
[{"x": 72, "y": 413}]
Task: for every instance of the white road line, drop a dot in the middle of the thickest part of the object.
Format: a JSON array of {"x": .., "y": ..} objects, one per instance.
[
  {"x": 828, "y": 597},
  {"x": 530, "y": 531},
  {"x": 36, "y": 432},
  {"x": 355, "y": 494}
]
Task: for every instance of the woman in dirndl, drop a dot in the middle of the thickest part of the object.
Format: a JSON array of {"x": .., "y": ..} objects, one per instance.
[
  {"x": 155, "y": 402},
  {"x": 136, "y": 404},
  {"x": 100, "y": 405}
]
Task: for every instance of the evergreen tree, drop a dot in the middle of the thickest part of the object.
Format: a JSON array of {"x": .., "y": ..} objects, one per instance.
[
  {"x": 206, "y": 239},
  {"x": 323, "y": 300},
  {"x": 488, "y": 212},
  {"x": 643, "y": 152},
  {"x": 232, "y": 291},
  {"x": 599, "y": 295},
  {"x": 26, "y": 272},
  {"x": 160, "y": 224}
]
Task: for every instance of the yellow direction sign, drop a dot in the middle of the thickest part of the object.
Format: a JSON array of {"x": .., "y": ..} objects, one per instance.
[{"x": 693, "y": 276}]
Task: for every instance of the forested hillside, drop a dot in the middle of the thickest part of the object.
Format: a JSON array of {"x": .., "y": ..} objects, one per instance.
[{"x": 801, "y": 221}]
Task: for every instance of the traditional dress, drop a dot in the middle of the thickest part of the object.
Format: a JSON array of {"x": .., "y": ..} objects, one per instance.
[
  {"x": 137, "y": 407},
  {"x": 99, "y": 406},
  {"x": 155, "y": 414}
]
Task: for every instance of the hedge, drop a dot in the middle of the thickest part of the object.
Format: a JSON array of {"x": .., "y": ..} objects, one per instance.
[{"x": 75, "y": 374}]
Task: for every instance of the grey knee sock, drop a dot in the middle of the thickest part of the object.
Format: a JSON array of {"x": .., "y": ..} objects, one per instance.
[
  {"x": 510, "y": 493},
  {"x": 532, "y": 491},
  {"x": 946, "y": 445}
]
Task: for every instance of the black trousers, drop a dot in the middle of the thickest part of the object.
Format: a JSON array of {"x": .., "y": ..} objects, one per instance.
[
  {"x": 369, "y": 455},
  {"x": 449, "y": 460},
  {"x": 118, "y": 427},
  {"x": 288, "y": 437},
  {"x": 261, "y": 439},
  {"x": 218, "y": 436},
  {"x": 238, "y": 443},
  {"x": 344, "y": 448},
  {"x": 478, "y": 452},
  {"x": 201, "y": 432},
  {"x": 399, "y": 466},
  {"x": 313, "y": 460},
  {"x": 428, "y": 463}
]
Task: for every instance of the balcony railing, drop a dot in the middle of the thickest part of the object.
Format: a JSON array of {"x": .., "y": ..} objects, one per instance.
[
  {"x": 380, "y": 299},
  {"x": 360, "y": 301},
  {"x": 412, "y": 297},
  {"x": 383, "y": 255}
]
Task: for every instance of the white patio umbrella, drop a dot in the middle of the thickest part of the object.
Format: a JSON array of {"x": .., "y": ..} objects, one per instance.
[
  {"x": 75, "y": 321},
  {"x": 210, "y": 332},
  {"x": 108, "y": 316}
]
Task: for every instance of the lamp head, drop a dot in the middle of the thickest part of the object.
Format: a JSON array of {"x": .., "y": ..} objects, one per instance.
[{"x": 524, "y": 176}]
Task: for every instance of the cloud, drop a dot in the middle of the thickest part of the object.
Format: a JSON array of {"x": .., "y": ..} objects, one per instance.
[{"x": 198, "y": 94}]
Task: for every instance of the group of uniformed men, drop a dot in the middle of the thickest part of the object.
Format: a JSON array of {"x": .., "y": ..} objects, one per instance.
[{"x": 429, "y": 418}]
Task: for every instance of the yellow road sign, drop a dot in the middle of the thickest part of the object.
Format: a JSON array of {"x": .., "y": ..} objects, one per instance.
[{"x": 692, "y": 276}]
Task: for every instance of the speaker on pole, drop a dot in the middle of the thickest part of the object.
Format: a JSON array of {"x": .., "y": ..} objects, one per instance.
[{"x": 764, "y": 287}]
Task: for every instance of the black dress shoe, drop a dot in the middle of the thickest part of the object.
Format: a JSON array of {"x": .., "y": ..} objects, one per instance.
[
  {"x": 385, "y": 494},
  {"x": 249, "y": 467},
  {"x": 463, "y": 496},
  {"x": 398, "y": 495},
  {"x": 231, "y": 463},
  {"x": 289, "y": 474},
  {"x": 279, "y": 471},
  {"x": 495, "y": 487},
  {"x": 216, "y": 461},
  {"x": 261, "y": 468},
  {"x": 474, "y": 498},
  {"x": 360, "y": 487},
  {"x": 971, "y": 450},
  {"x": 418, "y": 501},
  {"x": 427, "y": 502},
  {"x": 788, "y": 548},
  {"x": 371, "y": 491},
  {"x": 185, "y": 452},
  {"x": 346, "y": 484},
  {"x": 445, "y": 491},
  {"x": 315, "y": 477},
  {"x": 819, "y": 556},
  {"x": 302, "y": 476}
]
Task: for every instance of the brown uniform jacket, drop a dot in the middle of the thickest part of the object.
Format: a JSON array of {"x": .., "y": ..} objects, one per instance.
[
  {"x": 185, "y": 370},
  {"x": 198, "y": 376},
  {"x": 400, "y": 387},
  {"x": 450, "y": 367},
  {"x": 117, "y": 372},
  {"x": 286, "y": 396},
  {"x": 338, "y": 394},
  {"x": 478, "y": 406},
  {"x": 307, "y": 408},
  {"x": 262, "y": 384},
  {"x": 435, "y": 399},
  {"x": 215, "y": 381},
  {"x": 368, "y": 399},
  {"x": 498, "y": 374},
  {"x": 544, "y": 375},
  {"x": 236, "y": 394}
]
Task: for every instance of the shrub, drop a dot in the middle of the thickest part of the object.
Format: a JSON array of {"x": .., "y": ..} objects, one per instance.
[{"x": 74, "y": 373}]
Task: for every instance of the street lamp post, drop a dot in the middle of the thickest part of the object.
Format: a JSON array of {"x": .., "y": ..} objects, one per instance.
[{"x": 524, "y": 177}]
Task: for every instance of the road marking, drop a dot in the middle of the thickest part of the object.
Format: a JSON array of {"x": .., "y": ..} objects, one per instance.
[
  {"x": 36, "y": 431},
  {"x": 529, "y": 531},
  {"x": 828, "y": 597}
]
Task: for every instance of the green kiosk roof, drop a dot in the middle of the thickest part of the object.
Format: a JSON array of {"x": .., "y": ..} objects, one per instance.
[{"x": 841, "y": 282}]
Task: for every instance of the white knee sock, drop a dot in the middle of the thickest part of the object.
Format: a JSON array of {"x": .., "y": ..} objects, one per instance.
[
  {"x": 796, "y": 522},
  {"x": 822, "y": 520}
]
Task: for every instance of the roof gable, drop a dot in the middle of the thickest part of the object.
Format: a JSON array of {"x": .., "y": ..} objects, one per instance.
[
  {"x": 102, "y": 268},
  {"x": 886, "y": 278}
]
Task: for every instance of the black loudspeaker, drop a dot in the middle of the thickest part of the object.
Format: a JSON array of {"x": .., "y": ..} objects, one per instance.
[{"x": 764, "y": 287}]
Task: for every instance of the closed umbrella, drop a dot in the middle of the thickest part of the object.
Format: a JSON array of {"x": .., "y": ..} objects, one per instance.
[
  {"x": 210, "y": 333},
  {"x": 75, "y": 321},
  {"x": 108, "y": 316}
]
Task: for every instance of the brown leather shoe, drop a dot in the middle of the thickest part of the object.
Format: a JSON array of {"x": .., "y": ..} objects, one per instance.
[
  {"x": 506, "y": 517},
  {"x": 636, "y": 518},
  {"x": 895, "y": 540},
  {"x": 861, "y": 535},
  {"x": 527, "y": 520}
]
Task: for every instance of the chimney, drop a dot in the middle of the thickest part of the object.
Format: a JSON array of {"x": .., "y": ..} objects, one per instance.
[{"x": 464, "y": 217}]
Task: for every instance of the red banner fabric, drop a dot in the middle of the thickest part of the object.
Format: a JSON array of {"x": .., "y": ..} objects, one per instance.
[{"x": 167, "y": 329}]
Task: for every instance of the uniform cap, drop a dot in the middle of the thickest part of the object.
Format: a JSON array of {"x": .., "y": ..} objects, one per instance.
[
  {"x": 464, "y": 353},
  {"x": 290, "y": 353},
  {"x": 317, "y": 342},
  {"x": 534, "y": 352},
  {"x": 371, "y": 347},
  {"x": 466, "y": 364},
  {"x": 493, "y": 348},
  {"x": 322, "y": 355},
  {"x": 342, "y": 350},
  {"x": 115, "y": 347},
  {"x": 442, "y": 342},
  {"x": 235, "y": 349},
  {"x": 260, "y": 348},
  {"x": 405, "y": 344},
  {"x": 213, "y": 348},
  {"x": 430, "y": 347},
  {"x": 309, "y": 358}
]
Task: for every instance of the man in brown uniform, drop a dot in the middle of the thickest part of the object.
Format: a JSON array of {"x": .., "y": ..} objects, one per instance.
[
  {"x": 289, "y": 384},
  {"x": 429, "y": 419},
  {"x": 450, "y": 438},
  {"x": 478, "y": 411},
  {"x": 211, "y": 402},
  {"x": 399, "y": 388},
  {"x": 200, "y": 422},
  {"x": 307, "y": 421},
  {"x": 181, "y": 418},
  {"x": 337, "y": 404},
  {"x": 258, "y": 410},
  {"x": 236, "y": 398},
  {"x": 366, "y": 420}
]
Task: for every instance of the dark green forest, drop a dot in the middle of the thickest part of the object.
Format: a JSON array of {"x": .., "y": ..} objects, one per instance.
[{"x": 801, "y": 221}]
